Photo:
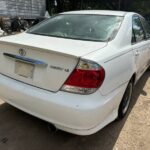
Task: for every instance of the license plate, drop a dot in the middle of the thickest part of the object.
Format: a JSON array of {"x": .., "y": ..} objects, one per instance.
[{"x": 24, "y": 69}]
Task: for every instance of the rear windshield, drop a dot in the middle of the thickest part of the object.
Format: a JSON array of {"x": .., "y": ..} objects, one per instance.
[{"x": 80, "y": 27}]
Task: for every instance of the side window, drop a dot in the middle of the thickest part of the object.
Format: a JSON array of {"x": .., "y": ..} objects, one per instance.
[
  {"x": 138, "y": 31},
  {"x": 146, "y": 28}
]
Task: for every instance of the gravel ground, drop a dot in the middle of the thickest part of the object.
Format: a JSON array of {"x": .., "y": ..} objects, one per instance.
[{"x": 20, "y": 131}]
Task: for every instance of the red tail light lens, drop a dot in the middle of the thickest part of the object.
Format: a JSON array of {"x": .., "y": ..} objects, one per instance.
[{"x": 85, "y": 79}]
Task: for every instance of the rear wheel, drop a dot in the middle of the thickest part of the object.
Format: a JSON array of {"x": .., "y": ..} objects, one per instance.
[{"x": 125, "y": 103}]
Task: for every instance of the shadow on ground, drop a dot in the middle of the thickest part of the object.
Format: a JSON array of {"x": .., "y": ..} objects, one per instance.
[{"x": 20, "y": 131}]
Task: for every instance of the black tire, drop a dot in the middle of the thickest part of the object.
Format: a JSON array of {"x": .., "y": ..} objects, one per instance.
[{"x": 125, "y": 103}]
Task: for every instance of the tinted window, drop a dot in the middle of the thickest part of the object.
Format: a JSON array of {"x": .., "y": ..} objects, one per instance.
[
  {"x": 82, "y": 27},
  {"x": 138, "y": 32},
  {"x": 146, "y": 27}
]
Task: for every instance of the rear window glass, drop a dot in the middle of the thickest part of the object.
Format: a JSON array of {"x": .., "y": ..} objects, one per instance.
[{"x": 80, "y": 27}]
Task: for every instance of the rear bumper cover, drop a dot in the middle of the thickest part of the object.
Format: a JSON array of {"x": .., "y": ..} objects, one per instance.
[{"x": 78, "y": 114}]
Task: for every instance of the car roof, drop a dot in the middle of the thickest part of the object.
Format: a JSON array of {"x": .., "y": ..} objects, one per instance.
[{"x": 98, "y": 12}]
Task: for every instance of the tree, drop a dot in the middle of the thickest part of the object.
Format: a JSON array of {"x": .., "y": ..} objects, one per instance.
[{"x": 126, "y": 5}]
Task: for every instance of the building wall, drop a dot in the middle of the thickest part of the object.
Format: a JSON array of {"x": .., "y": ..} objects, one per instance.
[{"x": 23, "y": 8}]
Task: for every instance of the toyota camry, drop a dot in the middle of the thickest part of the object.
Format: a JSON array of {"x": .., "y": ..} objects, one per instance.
[{"x": 76, "y": 70}]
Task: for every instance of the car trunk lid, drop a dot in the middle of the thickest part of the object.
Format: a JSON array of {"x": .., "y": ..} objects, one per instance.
[{"x": 43, "y": 62}]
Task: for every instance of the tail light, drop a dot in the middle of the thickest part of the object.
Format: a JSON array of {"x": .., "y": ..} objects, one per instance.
[{"x": 87, "y": 77}]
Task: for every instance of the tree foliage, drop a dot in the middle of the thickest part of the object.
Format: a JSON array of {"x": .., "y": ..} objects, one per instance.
[{"x": 57, "y": 6}]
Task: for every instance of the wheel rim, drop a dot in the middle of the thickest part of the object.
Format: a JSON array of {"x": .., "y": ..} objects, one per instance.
[{"x": 127, "y": 98}]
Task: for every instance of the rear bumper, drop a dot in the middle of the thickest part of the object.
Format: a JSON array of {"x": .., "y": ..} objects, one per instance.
[{"x": 78, "y": 114}]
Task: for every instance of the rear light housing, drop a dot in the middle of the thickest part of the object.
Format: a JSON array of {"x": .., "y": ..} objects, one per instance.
[{"x": 86, "y": 78}]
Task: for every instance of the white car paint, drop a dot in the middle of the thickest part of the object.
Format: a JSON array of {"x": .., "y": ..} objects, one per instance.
[
  {"x": 75, "y": 113},
  {"x": 75, "y": 48}
]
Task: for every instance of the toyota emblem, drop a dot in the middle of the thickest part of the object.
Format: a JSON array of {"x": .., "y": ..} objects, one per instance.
[{"x": 22, "y": 52}]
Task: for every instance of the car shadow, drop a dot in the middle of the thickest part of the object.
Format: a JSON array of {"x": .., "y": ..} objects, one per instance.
[{"x": 20, "y": 131}]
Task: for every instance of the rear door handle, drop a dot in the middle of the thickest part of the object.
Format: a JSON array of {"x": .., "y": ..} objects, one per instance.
[{"x": 137, "y": 53}]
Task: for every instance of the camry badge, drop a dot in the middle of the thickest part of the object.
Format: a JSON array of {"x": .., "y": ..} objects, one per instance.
[{"x": 22, "y": 52}]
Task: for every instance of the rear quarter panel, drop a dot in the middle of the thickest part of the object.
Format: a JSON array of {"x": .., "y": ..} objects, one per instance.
[
  {"x": 119, "y": 71},
  {"x": 117, "y": 58}
]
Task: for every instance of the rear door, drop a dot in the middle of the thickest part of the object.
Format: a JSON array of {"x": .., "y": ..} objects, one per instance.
[
  {"x": 140, "y": 46},
  {"x": 147, "y": 32}
]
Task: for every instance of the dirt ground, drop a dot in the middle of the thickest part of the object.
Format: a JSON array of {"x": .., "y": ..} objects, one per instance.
[{"x": 20, "y": 131}]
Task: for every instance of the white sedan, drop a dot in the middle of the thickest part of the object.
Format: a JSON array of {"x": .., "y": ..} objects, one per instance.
[{"x": 76, "y": 70}]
